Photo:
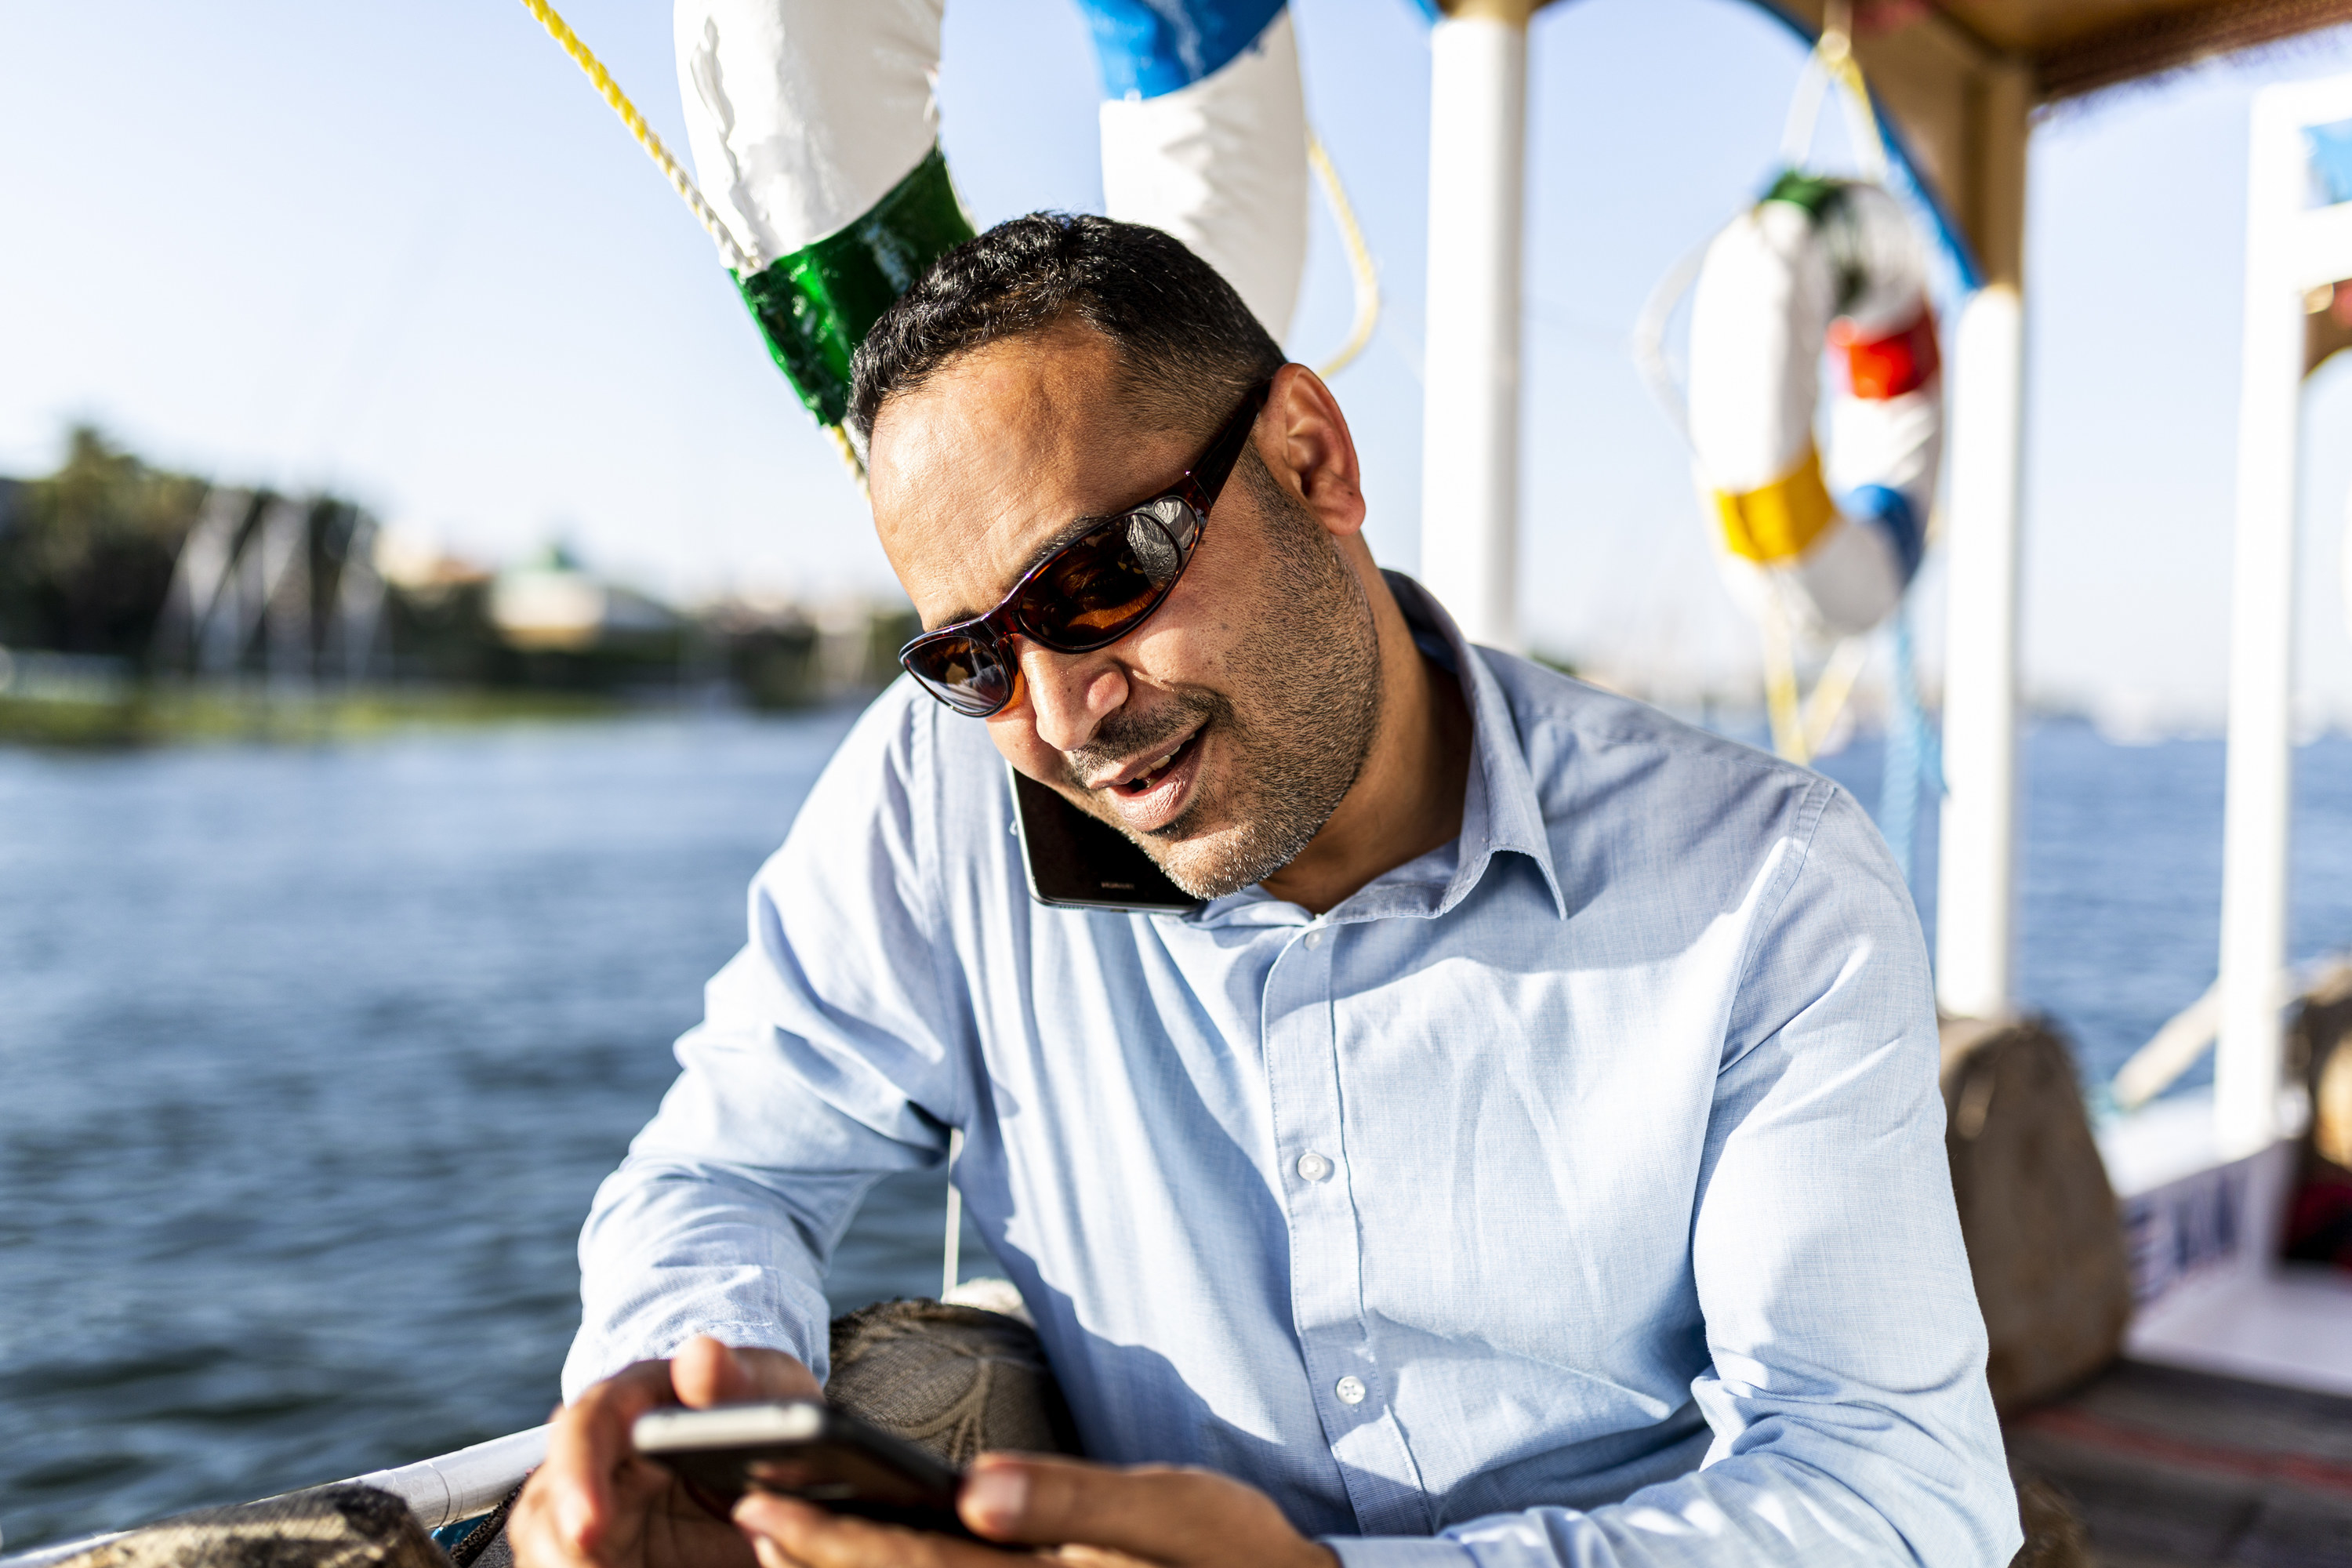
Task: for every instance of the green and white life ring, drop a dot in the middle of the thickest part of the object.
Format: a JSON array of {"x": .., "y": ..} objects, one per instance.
[{"x": 814, "y": 132}]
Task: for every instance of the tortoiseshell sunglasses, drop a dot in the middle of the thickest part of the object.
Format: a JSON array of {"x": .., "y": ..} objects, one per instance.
[{"x": 1091, "y": 591}]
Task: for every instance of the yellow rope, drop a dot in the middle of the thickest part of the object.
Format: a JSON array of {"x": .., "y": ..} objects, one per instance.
[
  {"x": 1858, "y": 95},
  {"x": 739, "y": 262},
  {"x": 1832, "y": 690},
  {"x": 1831, "y": 65},
  {"x": 1780, "y": 701},
  {"x": 1836, "y": 50},
  {"x": 1801, "y": 724},
  {"x": 561, "y": 31},
  {"x": 849, "y": 458},
  {"x": 1359, "y": 259}
]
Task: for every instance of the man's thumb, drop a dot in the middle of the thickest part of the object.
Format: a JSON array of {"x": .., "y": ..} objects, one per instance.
[
  {"x": 705, "y": 1371},
  {"x": 1160, "y": 1512}
]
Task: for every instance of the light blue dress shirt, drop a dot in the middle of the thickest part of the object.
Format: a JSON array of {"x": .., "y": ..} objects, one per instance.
[{"x": 1574, "y": 1193}]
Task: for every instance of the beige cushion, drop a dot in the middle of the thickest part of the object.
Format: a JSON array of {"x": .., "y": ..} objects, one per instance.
[
  {"x": 331, "y": 1527},
  {"x": 954, "y": 1380},
  {"x": 2046, "y": 1242}
]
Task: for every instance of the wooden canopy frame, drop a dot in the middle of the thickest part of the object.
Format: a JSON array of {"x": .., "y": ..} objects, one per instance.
[{"x": 1961, "y": 78}]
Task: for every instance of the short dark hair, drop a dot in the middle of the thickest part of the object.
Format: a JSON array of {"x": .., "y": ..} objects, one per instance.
[{"x": 1188, "y": 345}]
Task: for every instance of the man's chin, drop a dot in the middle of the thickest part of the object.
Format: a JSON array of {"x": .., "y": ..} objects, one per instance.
[{"x": 1211, "y": 862}]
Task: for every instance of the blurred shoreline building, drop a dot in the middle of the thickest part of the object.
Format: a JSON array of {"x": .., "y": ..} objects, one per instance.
[
  {"x": 116, "y": 578},
  {"x": 271, "y": 585}
]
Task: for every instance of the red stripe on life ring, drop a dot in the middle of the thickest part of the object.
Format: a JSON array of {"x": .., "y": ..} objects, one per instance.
[{"x": 1879, "y": 368}]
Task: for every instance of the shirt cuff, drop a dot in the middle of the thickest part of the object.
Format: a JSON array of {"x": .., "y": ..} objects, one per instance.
[{"x": 1398, "y": 1552}]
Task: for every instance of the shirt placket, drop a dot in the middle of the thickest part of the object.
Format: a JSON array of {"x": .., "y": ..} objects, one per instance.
[{"x": 1352, "y": 1390}]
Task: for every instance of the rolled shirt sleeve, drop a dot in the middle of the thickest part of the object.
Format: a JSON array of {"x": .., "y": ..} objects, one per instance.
[{"x": 829, "y": 1056}]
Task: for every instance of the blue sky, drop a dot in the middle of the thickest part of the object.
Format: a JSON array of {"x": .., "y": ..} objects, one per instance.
[{"x": 402, "y": 250}]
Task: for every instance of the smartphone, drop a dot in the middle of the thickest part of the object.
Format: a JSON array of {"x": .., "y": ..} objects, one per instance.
[
  {"x": 1081, "y": 862},
  {"x": 805, "y": 1449}
]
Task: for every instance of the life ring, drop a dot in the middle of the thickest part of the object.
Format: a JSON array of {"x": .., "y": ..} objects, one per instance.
[
  {"x": 1204, "y": 135},
  {"x": 1818, "y": 264},
  {"x": 814, "y": 134}
]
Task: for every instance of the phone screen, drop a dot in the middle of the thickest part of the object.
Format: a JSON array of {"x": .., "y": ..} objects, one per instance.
[{"x": 1081, "y": 862}]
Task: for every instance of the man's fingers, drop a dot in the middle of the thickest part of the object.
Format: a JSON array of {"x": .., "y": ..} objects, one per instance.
[
  {"x": 1165, "y": 1514},
  {"x": 706, "y": 1372},
  {"x": 533, "y": 1534},
  {"x": 587, "y": 1447},
  {"x": 790, "y": 1534}
]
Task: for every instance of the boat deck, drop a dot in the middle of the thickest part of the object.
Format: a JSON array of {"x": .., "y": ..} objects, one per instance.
[
  {"x": 2290, "y": 1325},
  {"x": 2166, "y": 1468}
]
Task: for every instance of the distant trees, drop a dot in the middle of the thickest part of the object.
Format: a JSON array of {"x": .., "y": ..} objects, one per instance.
[{"x": 86, "y": 554}]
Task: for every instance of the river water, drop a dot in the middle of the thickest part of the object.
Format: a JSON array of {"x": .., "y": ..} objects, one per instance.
[{"x": 310, "y": 1058}]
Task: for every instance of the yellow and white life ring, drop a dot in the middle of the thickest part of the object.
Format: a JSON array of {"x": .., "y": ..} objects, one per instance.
[{"x": 1818, "y": 264}]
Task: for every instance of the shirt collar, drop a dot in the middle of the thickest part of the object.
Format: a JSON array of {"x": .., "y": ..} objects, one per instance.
[{"x": 1501, "y": 811}]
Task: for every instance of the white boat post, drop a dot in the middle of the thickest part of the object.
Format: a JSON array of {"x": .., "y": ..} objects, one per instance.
[
  {"x": 1976, "y": 896},
  {"x": 2291, "y": 250},
  {"x": 1470, "y": 397},
  {"x": 2205, "y": 1184}
]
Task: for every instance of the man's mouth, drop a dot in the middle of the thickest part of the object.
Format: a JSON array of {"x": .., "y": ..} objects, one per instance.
[
  {"x": 1157, "y": 767},
  {"x": 1153, "y": 790}
]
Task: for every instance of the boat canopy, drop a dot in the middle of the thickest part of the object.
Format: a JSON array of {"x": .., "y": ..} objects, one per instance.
[{"x": 1940, "y": 68}]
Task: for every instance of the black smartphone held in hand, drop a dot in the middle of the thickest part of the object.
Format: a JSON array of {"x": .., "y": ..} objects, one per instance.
[
  {"x": 1078, "y": 862},
  {"x": 805, "y": 1449}
]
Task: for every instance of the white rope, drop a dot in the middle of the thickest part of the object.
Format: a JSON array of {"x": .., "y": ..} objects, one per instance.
[
  {"x": 1832, "y": 59},
  {"x": 950, "y": 1255},
  {"x": 1649, "y": 340},
  {"x": 1364, "y": 271}
]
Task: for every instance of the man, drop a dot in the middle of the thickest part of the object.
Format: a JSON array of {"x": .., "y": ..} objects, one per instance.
[{"x": 1533, "y": 1142}]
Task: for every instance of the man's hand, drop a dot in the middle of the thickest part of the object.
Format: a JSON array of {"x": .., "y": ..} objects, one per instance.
[
  {"x": 1137, "y": 1519},
  {"x": 596, "y": 1504}
]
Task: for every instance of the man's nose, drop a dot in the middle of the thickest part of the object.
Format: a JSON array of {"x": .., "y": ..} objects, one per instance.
[{"x": 1070, "y": 693}]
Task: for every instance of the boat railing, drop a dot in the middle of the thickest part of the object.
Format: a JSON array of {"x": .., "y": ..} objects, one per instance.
[{"x": 442, "y": 1490}]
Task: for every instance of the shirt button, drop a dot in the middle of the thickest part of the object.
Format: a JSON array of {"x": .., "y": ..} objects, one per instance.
[
  {"x": 1313, "y": 1167},
  {"x": 1350, "y": 1390},
  {"x": 1314, "y": 938}
]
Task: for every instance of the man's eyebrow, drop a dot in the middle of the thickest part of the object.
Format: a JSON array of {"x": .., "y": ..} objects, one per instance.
[{"x": 1069, "y": 533}]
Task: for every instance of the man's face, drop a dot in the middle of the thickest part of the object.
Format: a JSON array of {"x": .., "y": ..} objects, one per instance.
[{"x": 1222, "y": 733}]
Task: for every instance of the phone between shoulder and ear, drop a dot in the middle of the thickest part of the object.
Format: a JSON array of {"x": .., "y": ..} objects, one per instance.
[{"x": 1077, "y": 861}]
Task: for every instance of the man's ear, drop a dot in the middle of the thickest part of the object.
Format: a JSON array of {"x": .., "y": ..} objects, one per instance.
[{"x": 1311, "y": 452}]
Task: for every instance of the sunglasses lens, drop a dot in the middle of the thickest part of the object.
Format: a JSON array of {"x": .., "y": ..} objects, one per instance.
[
  {"x": 967, "y": 674},
  {"x": 1097, "y": 591}
]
